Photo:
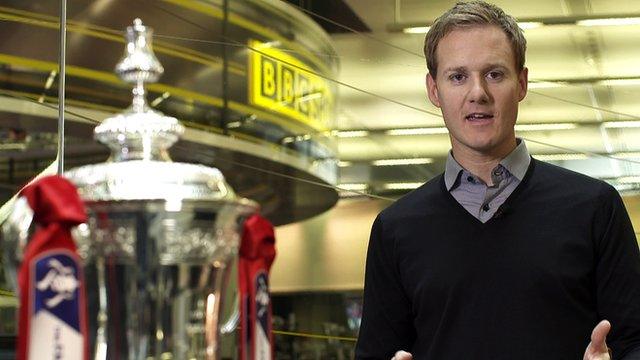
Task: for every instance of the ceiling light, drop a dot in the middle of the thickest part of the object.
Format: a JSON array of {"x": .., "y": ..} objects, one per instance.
[
  {"x": 418, "y": 131},
  {"x": 626, "y": 155},
  {"x": 609, "y": 21},
  {"x": 542, "y": 127},
  {"x": 619, "y": 82},
  {"x": 560, "y": 157},
  {"x": 50, "y": 79},
  {"x": 545, "y": 84},
  {"x": 629, "y": 180},
  {"x": 621, "y": 124},
  {"x": 160, "y": 99},
  {"x": 416, "y": 30},
  {"x": 424, "y": 29},
  {"x": 352, "y": 133},
  {"x": 13, "y": 146},
  {"x": 401, "y": 186},
  {"x": 529, "y": 25},
  {"x": 391, "y": 162},
  {"x": 353, "y": 186},
  {"x": 344, "y": 163}
]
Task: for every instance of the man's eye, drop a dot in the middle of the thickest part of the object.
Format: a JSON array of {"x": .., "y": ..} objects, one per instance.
[
  {"x": 495, "y": 75},
  {"x": 456, "y": 77}
]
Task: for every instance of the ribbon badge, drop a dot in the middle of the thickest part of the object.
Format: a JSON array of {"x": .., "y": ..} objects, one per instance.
[{"x": 61, "y": 280}]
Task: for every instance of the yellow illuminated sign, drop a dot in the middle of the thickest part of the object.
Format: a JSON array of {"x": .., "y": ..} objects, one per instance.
[{"x": 283, "y": 84}]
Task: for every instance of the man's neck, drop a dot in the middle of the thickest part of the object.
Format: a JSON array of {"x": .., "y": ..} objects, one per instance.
[{"x": 479, "y": 163}]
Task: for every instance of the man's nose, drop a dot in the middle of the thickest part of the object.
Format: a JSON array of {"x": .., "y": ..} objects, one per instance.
[{"x": 478, "y": 93}]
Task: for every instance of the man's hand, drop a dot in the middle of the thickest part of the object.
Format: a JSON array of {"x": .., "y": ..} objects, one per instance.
[
  {"x": 402, "y": 355},
  {"x": 597, "y": 348}
]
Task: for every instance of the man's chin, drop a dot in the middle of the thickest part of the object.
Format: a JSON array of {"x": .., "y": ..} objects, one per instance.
[{"x": 485, "y": 147}]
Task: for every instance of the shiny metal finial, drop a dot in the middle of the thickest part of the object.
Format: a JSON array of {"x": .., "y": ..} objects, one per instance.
[
  {"x": 141, "y": 133},
  {"x": 139, "y": 64}
]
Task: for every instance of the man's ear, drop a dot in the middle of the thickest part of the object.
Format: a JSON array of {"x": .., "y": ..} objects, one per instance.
[
  {"x": 523, "y": 83},
  {"x": 432, "y": 90}
]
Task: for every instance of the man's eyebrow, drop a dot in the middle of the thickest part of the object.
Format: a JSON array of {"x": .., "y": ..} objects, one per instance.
[
  {"x": 456, "y": 69},
  {"x": 497, "y": 66},
  {"x": 489, "y": 66}
]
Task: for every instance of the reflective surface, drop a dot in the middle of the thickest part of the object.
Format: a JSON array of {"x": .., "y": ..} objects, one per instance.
[
  {"x": 206, "y": 85},
  {"x": 158, "y": 277}
]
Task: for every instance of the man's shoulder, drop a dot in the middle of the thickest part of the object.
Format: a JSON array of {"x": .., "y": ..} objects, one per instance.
[
  {"x": 555, "y": 173},
  {"x": 417, "y": 201},
  {"x": 565, "y": 180}
]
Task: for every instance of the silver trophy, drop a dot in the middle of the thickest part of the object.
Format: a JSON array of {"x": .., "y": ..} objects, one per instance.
[{"x": 161, "y": 235}]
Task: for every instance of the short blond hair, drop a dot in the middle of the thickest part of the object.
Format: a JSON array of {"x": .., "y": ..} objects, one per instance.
[{"x": 468, "y": 14}]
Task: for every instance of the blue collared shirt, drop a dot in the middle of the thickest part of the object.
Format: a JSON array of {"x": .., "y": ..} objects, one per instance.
[{"x": 479, "y": 199}]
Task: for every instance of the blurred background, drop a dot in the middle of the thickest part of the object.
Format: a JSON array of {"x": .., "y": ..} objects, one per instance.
[{"x": 317, "y": 110}]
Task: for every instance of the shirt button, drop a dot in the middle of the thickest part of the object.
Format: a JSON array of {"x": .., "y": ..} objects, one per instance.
[
  {"x": 470, "y": 179},
  {"x": 485, "y": 207},
  {"x": 497, "y": 172}
]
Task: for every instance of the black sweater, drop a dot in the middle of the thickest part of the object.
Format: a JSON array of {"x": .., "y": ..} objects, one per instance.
[{"x": 531, "y": 283}]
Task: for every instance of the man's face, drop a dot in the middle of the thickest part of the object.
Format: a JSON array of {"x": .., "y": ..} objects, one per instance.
[{"x": 478, "y": 89}]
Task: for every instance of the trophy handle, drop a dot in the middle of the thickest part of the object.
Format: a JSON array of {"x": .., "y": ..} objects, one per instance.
[{"x": 234, "y": 319}]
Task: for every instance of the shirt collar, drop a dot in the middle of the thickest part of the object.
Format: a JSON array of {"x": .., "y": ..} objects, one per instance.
[
  {"x": 452, "y": 171},
  {"x": 517, "y": 163}
]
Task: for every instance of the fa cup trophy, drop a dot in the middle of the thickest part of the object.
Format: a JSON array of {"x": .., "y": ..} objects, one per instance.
[{"x": 160, "y": 235}]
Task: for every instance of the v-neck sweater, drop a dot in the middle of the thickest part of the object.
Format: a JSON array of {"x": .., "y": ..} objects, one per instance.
[{"x": 530, "y": 283}]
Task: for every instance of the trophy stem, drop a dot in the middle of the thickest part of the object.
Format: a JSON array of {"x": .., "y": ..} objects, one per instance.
[{"x": 139, "y": 100}]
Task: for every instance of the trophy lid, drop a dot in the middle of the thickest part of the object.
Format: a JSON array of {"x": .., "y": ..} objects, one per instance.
[{"x": 140, "y": 167}]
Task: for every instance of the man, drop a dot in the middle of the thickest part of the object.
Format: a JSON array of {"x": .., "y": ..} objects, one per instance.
[{"x": 502, "y": 256}]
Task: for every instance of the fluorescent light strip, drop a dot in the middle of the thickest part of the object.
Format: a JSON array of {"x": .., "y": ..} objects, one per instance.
[
  {"x": 609, "y": 21},
  {"x": 627, "y": 155},
  {"x": 402, "y": 186},
  {"x": 443, "y": 130},
  {"x": 526, "y": 25},
  {"x": 621, "y": 124},
  {"x": 578, "y": 156},
  {"x": 416, "y": 30},
  {"x": 542, "y": 127},
  {"x": 619, "y": 82},
  {"x": 391, "y": 162},
  {"x": 52, "y": 76},
  {"x": 625, "y": 187},
  {"x": 353, "y": 186},
  {"x": 559, "y": 157},
  {"x": 352, "y": 133},
  {"x": 344, "y": 163},
  {"x": 425, "y": 29},
  {"x": 418, "y": 131},
  {"x": 629, "y": 180},
  {"x": 160, "y": 99},
  {"x": 13, "y": 146},
  {"x": 545, "y": 84}
]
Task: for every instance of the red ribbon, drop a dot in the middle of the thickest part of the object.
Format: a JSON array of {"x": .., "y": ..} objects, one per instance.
[
  {"x": 57, "y": 208},
  {"x": 257, "y": 252}
]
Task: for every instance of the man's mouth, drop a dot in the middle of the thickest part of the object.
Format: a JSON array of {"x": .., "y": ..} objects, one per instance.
[{"x": 479, "y": 117}]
